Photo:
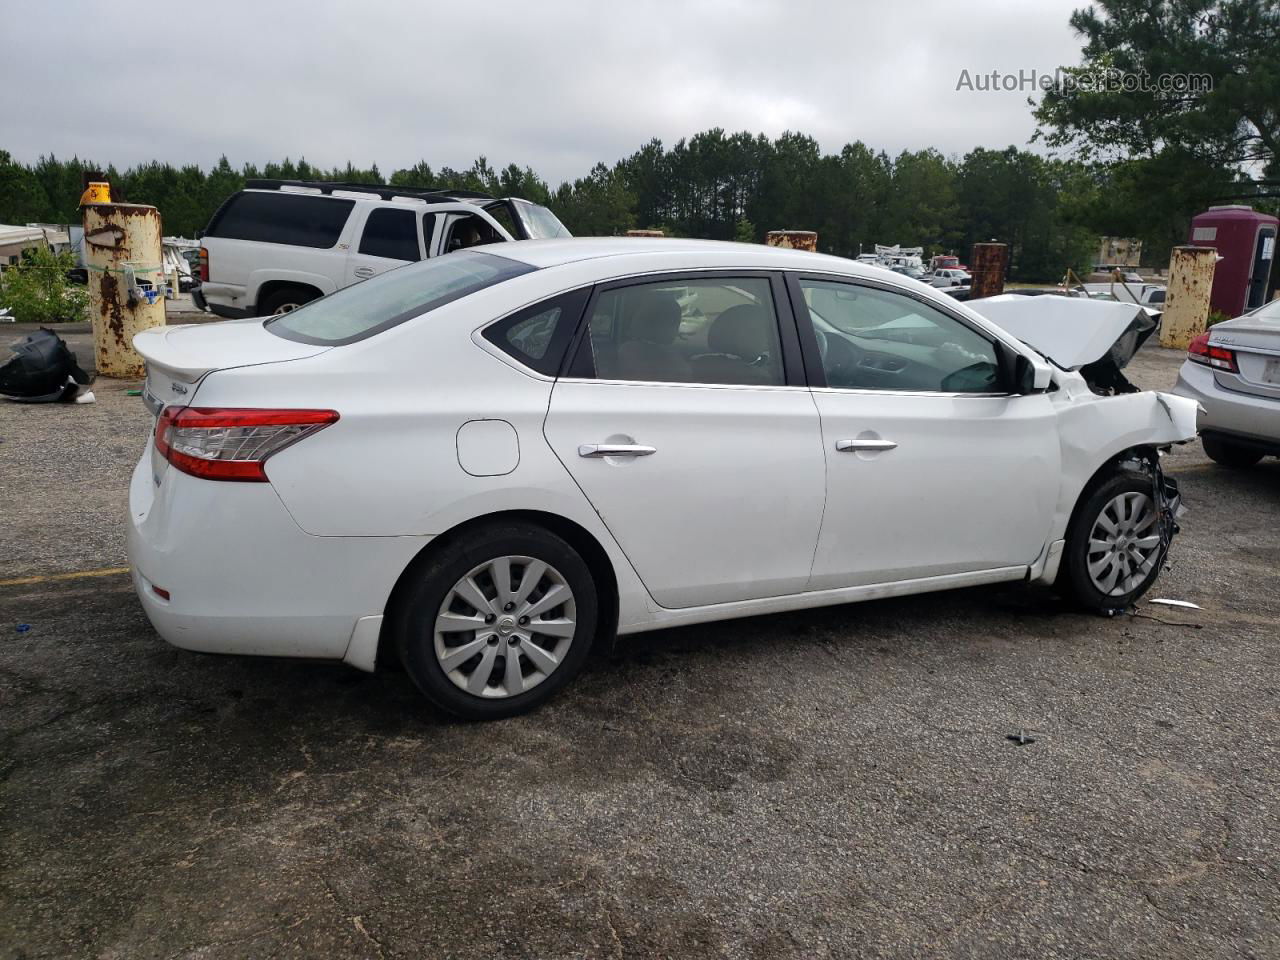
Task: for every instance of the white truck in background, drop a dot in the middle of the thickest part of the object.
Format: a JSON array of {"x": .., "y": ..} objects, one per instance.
[{"x": 278, "y": 244}]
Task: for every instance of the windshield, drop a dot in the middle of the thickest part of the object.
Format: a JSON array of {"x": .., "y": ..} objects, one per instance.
[
  {"x": 367, "y": 308},
  {"x": 539, "y": 222},
  {"x": 1268, "y": 311}
]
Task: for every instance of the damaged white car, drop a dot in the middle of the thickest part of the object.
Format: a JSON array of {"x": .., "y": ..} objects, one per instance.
[{"x": 484, "y": 463}]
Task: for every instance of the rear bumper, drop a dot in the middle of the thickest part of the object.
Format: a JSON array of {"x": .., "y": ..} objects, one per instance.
[
  {"x": 242, "y": 577},
  {"x": 1227, "y": 412}
]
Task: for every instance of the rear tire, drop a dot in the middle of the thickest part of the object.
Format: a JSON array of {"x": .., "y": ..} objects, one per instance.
[
  {"x": 458, "y": 626},
  {"x": 286, "y": 299},
  {"x": 1113, "y": 552},
  {"x": 1227, "y": 453}
]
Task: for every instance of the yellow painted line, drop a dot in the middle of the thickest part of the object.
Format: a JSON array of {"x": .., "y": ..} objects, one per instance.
[{"x": 51, "y": 577}]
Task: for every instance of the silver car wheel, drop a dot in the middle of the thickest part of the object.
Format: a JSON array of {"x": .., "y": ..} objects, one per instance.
[
  {"x": 505, "y": 627},
  {"x": 1124, "y": 544},
  {"x": 286, "y": 308}
]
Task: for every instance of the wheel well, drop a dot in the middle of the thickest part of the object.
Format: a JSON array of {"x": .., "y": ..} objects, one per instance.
[
  {"x": 572, "y": 533},
  {"x": 272, "y": 287},
  {"x": 1144, "y": 454}
]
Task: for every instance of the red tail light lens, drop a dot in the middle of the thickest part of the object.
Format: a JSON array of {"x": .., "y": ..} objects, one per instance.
[
  {"x": 231, "y": 443},
  {"x": 204, "y": 265},
  {"x": 1220, "y": 358}
]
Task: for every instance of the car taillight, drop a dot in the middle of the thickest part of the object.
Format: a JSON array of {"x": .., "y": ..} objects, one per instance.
[
  {"x": 231, "y": 443},
  {"x": 1220, "y": 358},
  {"x": 204, "y": 265}
]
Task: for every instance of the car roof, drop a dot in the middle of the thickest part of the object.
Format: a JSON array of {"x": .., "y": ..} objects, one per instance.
[{"x": 553, "y": 253}]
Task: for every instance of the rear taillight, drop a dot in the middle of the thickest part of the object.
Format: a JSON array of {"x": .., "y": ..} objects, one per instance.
[
  {"x": 204, "y": 265},
  {"x": 229, "y": 443},
  {"x": 1220, "y": 358}
]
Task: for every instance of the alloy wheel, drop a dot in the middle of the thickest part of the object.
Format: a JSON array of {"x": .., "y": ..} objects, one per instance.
[
  {"x": 505, "y": 627},
  {"x": 1124, "y": 544}
]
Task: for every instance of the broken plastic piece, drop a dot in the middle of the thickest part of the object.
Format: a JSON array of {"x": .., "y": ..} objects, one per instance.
[
  {"x": 1177, "y": 603},
  {"x": 24, "y": 627},
  {"x": 1020, "y": 738}
]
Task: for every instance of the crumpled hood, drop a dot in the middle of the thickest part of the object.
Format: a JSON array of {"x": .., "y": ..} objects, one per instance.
[{"x": 1070, "y": 331}]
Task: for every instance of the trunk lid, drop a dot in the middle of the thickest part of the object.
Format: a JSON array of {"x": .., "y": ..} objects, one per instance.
[
  {"x": 1255, "y": 340},
  {"x": 179, "y": 357}
]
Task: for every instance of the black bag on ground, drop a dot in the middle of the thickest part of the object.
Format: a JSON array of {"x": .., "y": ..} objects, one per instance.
[{"x": 44, "y": 370}]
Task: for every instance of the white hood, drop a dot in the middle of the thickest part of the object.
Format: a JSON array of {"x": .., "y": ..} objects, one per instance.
[{"x": 1070, "y": 331}]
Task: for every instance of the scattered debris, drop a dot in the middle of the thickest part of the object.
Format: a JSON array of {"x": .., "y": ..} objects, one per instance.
[
  {"x": 24, "y": 627},
  {"x": 1020, "y": 738},
  {"x": 1167, "y": 623},
  {"x": 133, "y": 393},
  {"x": 1177, "y": 603}
]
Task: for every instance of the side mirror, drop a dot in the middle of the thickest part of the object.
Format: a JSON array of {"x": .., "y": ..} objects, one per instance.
[{"x": 1031, "y": 374}]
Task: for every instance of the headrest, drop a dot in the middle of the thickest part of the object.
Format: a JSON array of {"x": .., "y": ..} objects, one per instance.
[
  {"x": 741, "y": 331},
  {"x": 654, "y": 317}
]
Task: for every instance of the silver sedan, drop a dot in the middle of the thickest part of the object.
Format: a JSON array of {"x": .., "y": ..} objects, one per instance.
[{"x": 1233, "y": 370}]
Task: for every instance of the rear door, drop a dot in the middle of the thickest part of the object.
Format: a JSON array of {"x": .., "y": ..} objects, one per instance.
[
  {"x": 684, "y": 419},
  {"x": 933, "y": 467},
  {"x": 390, "y": 237}
]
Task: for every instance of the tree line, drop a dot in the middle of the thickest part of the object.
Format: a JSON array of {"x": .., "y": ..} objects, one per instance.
[{"x": 713, "y": 185}]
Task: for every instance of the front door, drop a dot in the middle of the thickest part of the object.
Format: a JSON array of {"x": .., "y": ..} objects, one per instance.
[
  {"x": 684, "y": 421},
  {"x": 933, "y": 468}
]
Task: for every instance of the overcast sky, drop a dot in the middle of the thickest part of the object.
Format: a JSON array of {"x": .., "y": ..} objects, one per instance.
[{"x": 553, "y": 84}]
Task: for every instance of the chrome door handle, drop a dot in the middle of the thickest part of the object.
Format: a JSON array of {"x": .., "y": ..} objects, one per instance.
[
  {"x": 849, "y": 446},
  {"x": 364, "y": 272},
  {"x": 615, "y": 450}
]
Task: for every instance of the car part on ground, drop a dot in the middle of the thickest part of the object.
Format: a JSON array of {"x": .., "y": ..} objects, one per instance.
[
  {"x": 627, "y": 389},
  {"x": 43, "y": 370},
  {"x": 1232, "y": 371}
]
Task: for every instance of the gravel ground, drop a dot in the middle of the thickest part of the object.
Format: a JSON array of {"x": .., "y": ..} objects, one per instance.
[{"x": 835, "y": 783}]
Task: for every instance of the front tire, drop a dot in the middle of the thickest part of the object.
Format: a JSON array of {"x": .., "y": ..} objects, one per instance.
[
  {"x": 497, "y": 622},
  {"x": 1227, "y": 453},
  {"x": 1115, "y": 544}
]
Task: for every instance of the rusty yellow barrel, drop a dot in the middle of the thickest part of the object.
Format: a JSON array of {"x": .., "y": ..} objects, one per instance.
[{"x": 124, "y": 257}]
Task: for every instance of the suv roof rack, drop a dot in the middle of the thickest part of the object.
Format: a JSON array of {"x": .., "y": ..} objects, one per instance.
[{"x": 383, "y": 190}]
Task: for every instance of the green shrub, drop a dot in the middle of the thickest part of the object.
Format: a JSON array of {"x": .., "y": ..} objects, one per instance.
[
  {"x": 1217, "y": 316},
  {"x": 37, "y": 289}
]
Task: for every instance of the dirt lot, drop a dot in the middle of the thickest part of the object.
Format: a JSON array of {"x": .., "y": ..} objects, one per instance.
[{"x": 829, "y": 784}]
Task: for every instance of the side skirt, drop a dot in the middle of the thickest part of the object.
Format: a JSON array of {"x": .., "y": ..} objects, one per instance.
[{"x": 662, "y": 618}]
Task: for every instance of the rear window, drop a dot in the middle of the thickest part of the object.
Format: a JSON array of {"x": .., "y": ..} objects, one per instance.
[
  {"x": 291, "y": 218},
  {"x": 368, "y": 308}
]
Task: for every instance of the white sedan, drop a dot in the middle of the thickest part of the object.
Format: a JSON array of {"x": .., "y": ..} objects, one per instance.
[{"x": 486, "y": 462}]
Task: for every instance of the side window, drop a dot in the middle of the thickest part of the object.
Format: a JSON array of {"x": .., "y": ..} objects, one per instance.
[
  {"x": 538, "y": 336},
  {"x": 501, "y": 213},
  {"x": 469, "y": 231},
  {"x": 721, "y": 330},
  {"x": 872, "y": 339},
  {"x": 301, "y": 220},
  {"x": 390, "y": 233}
]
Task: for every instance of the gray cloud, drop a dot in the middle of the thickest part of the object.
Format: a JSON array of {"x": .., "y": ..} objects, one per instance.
[{"x": 554, "y": 84}]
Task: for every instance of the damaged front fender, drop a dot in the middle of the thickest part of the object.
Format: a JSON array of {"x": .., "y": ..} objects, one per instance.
[{"x": 1095, "y": 431}]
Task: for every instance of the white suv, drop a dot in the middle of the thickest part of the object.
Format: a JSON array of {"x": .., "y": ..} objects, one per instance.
[{"x": 278, "y": 244}]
